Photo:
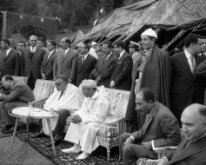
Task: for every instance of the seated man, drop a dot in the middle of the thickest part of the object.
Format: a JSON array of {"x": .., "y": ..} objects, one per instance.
[
  {"x": 20, "y": 95},
  {"x": 159, "y": 129},
  {"x": 65, "y": 100},
  {"x": 85, "y": 122},
  {"x": 192, "y": 149}
]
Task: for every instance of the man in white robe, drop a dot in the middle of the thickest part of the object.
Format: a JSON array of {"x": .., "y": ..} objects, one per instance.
[
  {"x": 85, "y": 122},
  {"x": 63, "y": 102}
]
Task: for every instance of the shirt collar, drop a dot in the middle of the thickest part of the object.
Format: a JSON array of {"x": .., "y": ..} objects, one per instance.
[
  {"x": 8, "y": 51},
  {"x": 67, "y": 50},
  {"x": 187, "y": 54},
  {"x": 121, "y": 54},
  {"x": 32, "y": 49}
]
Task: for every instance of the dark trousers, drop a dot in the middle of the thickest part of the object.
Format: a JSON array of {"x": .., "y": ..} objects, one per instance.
[
  {"x": 59, "y": 129},
  {"x": 5, "y": 107},
  {"x": 132, "y": 152}
]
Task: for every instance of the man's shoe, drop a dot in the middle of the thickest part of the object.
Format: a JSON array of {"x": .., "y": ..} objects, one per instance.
[
  {"x": 75, "y": 149},
  {"x": 83, "y": 156},
  {"x": 38, "y": 135}
]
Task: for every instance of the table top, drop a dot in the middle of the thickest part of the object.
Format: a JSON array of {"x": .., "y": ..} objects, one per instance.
[{"x": 33, "y": 112}]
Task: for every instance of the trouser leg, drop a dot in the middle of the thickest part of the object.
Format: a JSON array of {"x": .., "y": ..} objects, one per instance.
[{"x": 61, "y": 122}]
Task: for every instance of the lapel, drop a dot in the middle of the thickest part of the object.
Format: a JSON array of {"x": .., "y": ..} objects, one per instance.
[
  {"x": 123, "y": 56},
  {"x": 149, "y": 118},
  {"x": 10, "y": 53},
  {"x": 35, "y": 54},
  {"x": 79, "y": 63},
  {"x": 83, "y": 65},
  {"x": 186, "y": 64},
  {"x": 50, "y": 58},
  {"x": 193, "y": 148}
]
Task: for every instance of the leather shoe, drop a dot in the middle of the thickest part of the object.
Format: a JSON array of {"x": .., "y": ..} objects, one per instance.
[
  {"x": 56, "y": 142},
  {"x": 38, "y": 135}
]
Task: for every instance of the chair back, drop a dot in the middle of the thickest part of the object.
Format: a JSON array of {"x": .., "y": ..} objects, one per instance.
[{"x": 43, "y": 89}]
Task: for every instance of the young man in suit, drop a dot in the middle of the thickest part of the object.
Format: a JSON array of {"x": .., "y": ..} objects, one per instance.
[
  {"x": 33, "y": 57},
  {"x": 192, "y": 149},
  {"x": 64, "y": 63},
  {"x": 122, "y": 74},
  {"x": 186, "y": 86},
  {"x": 20, "y": 95},
  {"x": 105, "y": 65},
  {"x": 48, "y": 62},
  {"x": 85, "y": 63},
  {"x": 10, "y": 58},
  {"x": 160, "y": 129}
]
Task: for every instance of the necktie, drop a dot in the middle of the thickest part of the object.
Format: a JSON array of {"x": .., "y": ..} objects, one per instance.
[
  {"x": 105, "y": 58},
  {"x": 192, "y": 64},
  {"x": 82, "y": 59}
]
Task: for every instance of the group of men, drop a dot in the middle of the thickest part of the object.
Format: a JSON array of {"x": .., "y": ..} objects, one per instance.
[{"x": 157, "y": 82}]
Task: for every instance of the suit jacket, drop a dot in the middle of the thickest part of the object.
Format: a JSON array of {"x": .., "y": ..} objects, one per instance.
[
  {"x": 11, "y": 64},
  {"x": 186, "y": 87},
  {"x": 19, "y": 93},
  {"x": 83, "y": 70},
  {"x": 65, "y": 64},
  {"x": 103, "y": 70},
  {"x": 122, "y": 74},
  {"x": 161, "y": 126},
  {"x": 32, "y": 66},
  {"x": 47, "y": 65},
  {"x": 193, "y": 154}
]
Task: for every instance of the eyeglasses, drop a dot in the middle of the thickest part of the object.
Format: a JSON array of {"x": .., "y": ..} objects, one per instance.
[
  {"x": 58, "y": 84},
  {"x": 33, "y": 40}
]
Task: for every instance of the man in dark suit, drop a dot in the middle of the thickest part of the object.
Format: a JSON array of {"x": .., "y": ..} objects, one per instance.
[
  {"x": 48, "y": 62},
  {"x": 20, "y": 49},
  {"x": 105, "y": 65},
  {"x": 20, "y": 95},
  {"x": 192, "y": 149},
  {"x": 160, "y": 129},
  {"x": 186, "y": 86},
  {"x": 64, "y": 63},
  {"x": 10, "y": 59},
  {"x": 33, "y": 57},
  {"x": 85, "y": 63},
  {"x": 122, "y": 74}
]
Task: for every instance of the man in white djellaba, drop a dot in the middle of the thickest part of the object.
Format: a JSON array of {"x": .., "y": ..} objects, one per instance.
[
  {"x": 63, "y": 102},
  {"x": 85, "y": 122}
]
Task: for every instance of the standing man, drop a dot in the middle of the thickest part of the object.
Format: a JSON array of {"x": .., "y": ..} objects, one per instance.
[
  {"x": 20, "y": 49},
  {"x": 10, "y": 59},
  {"x": 105, "y": 65},
  {"x": 159, "y": 129},
  {"x": 186, "y": 86},
  {"x": 33, "y": 57},
  {"x": 64, "y": 63},
  {"x": 48, "y": 61},
  {"x": 154, "y": 73},
  {"x": 122, "y": 74},
  {"x": 192, "y": 149},
  {"x": 20, "y": 95},
  {"x": 85, "y": 63}
]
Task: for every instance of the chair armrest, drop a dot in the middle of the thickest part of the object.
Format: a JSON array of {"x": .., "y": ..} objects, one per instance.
[
  {"x": 122, "y": 126},
  {"x": 161, "y": 151},
  {"x": 39, "y": 103}
]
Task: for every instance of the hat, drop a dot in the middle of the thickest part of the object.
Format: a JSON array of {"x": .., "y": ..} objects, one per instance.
[
  {"x": 149, "y": 32},
  {"x": 93, "y": 43},
  {"x": 134, "y": 44},
  {"x": 89, "y": 83}
]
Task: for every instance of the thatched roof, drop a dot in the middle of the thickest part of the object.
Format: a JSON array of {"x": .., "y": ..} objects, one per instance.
[{"x": 163, "y": 13}]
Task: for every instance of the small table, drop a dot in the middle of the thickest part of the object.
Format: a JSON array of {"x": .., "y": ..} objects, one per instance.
[{"x": 34, "y": 113}]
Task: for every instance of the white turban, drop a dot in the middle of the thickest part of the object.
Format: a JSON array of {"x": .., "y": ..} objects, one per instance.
[
  {"x": 89, "y": 84},
  {"x": 149, "y": 32},
  {"x": 93, "y": 43}
]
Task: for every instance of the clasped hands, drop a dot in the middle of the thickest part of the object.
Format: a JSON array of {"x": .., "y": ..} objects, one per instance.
[
  {"x": 75, "y": 119},
  {"x": 147, "y": 145}
]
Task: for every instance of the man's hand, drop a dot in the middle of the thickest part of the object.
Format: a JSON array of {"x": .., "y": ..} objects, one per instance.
[
  {"x": 147, "y": 145},
  {"x": 128, "y": 141},
  {"x": 111, "y": 84},
  {"x": 43, "y": 76},
  {"x": 76, "y": 119}
]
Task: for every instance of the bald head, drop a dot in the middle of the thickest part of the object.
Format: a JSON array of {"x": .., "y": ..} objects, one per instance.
[
  {"x": 194, "y": 121},
  {"x": 33, "y": 40}
]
